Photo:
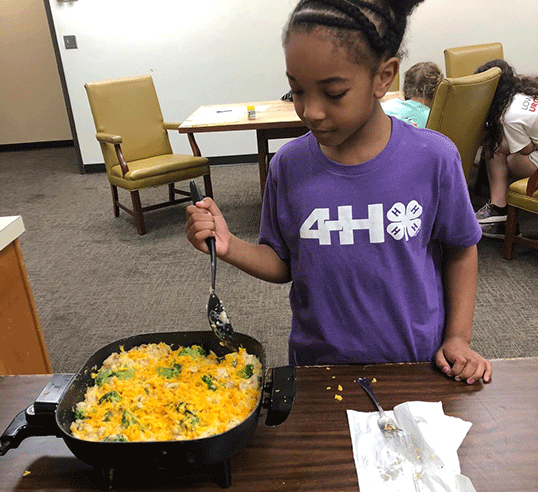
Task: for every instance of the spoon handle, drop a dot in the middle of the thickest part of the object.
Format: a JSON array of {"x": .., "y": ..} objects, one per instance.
[
  {"x": 196, "y": 196},
  {"x": 213, "y": 254}
]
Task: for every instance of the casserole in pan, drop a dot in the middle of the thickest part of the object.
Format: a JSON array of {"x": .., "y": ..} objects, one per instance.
[{"x": 54, "y": 412}]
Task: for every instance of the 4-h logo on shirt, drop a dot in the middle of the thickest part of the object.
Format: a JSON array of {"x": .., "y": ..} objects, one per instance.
[{"x": 404, "y": 223}]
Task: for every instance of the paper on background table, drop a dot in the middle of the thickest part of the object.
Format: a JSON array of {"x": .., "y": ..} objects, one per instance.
[
  {"x": 209, "y": 115},
  {"x": 215, "y": 114},
  {"x": 422, "y": 458}
]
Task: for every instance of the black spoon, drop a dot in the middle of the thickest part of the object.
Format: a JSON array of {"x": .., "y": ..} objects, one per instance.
[{"x": 218, "y": 318}]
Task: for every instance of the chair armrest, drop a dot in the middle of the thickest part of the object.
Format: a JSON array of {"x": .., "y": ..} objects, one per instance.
[
  {"x": 170, "y": 126},
  {"x": 116, "y": 141},
  {"x": 194, "y": 146},
  {"x": 108, "y": 138},
  {"x": 532, "y": 184}
]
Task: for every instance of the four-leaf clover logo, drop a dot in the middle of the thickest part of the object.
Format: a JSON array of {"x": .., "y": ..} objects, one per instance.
[{"x": 405, "y": 221}]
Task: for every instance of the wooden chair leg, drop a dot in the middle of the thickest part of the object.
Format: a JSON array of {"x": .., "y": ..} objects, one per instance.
[
  {"x": 138, "y": 214},
  {"x": 510, "y": 233},
  {"x": 171, "y": 193},
  {"x": 208, "y": 186},
  {"x": 115, "y": 200}
]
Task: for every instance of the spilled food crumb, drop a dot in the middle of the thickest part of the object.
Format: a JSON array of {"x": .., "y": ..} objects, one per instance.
[
  {"x": 338, "y": 397},
  {"x": 340, "y": 387},
  {"x": 328, "y": 387},
  {"x": 26, "y": 473},
  {"x": 374, "y": 380}
]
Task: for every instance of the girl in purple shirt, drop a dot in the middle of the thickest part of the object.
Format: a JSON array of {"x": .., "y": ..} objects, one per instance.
[{"x": 369, "y": 218}]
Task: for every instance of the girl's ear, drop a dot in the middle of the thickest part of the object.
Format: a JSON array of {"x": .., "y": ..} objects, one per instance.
[{"x": 388, "y": 69}]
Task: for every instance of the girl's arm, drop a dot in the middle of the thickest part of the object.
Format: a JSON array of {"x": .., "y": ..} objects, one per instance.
[
  {"x": 455, "y": 357},
  {"x": 259, "y": 260}
]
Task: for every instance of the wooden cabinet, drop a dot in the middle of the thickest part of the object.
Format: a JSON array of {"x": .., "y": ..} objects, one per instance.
[{"x": 22, "y": 347}]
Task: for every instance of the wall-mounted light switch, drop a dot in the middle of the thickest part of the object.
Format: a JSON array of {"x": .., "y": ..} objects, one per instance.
[{"x": 70, "y": 42}]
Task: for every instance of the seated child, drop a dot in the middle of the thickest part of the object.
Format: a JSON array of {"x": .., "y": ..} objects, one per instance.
[
  {"x": 420, "y": 83},
  {"x": 511, "y": 147}
]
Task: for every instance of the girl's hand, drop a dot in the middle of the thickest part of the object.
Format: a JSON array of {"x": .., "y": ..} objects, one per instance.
[
  {"x": 457, "y": 360},
  {"x": 205, "y": 220}
]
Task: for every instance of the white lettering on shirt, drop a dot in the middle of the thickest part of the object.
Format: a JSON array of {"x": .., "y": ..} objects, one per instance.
[{"x": 404, "y": 223}]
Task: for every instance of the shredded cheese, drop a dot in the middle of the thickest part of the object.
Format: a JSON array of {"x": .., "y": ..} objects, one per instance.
[{"x": 155, "y": 393}]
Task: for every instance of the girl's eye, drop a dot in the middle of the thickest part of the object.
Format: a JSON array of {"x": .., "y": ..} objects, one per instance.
[
  {"x": 296, "y": 93},
  {"x": 337, "y": 96}
]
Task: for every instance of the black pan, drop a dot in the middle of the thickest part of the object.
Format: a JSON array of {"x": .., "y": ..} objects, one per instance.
[{"x": 107, "y": 456}]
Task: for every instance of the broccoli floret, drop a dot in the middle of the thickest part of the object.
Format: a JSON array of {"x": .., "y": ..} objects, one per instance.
[
  {"x": 209, "y": 381},
  {"x": 195, "y": 351},
  {"x": 124, "y": 373},
  {"x": 247, "y": 371},
  {"x": 110, "y": 396},
  {"x": 169, "y": 372},
  {"x": 79, "y": 414},
  {"x": 189, "y": 418},
  {"x": 104, "y": 376},
  {"x": 107, "y": 417},
  {"x": 116, "y": 438},
  {"x": 107, "y": 374},
  {"x": 128, "y": 419}
]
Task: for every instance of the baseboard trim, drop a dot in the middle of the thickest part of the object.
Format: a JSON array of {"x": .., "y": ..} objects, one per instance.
[
  {"x": 35, "y": 145},
  {"x": 233, "y": 159},
  {"x": 94, "y": 168},
  {"x": 213, "y": 161}
]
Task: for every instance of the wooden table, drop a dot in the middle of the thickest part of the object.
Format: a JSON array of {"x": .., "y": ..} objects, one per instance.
[
  {"x": 278, "y": 120},
  {"x": 311, "y": 451}
]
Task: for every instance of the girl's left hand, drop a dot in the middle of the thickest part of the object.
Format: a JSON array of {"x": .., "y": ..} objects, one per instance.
[{"x": 457, "y": 360}]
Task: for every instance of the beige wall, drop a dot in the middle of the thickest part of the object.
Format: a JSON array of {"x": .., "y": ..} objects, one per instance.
[{"x": 32, "y": 107}]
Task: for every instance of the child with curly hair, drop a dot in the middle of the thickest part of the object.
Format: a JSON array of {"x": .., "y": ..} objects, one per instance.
[{"x": 511, "y": 142}]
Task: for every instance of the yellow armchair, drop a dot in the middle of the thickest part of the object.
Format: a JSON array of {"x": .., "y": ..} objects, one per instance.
[
  {"x": 464, "y": 60},
  {"x": 522, "y": 194},
  {"x": 459, "y": 110},
  {"x": 135, "y": 145}
]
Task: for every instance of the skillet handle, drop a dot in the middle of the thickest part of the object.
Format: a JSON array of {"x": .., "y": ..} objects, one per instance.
[
  {"x": 39, "y": 418},
  {"x": 282, "y": 394},
  {"x": 27, "y": 424}
]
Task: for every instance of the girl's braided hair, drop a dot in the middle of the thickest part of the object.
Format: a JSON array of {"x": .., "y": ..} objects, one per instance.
[
  {"x": 380, "y": 23},
  {"x": 510, "y": 84}
]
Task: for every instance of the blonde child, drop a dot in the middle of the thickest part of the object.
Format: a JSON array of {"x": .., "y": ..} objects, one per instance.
[
  {"x": 420, "y": 83},
  {"x": 368, "y": 217}
]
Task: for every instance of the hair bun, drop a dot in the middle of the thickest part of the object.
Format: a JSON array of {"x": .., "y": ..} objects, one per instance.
[{"x": 403, "y": 7}]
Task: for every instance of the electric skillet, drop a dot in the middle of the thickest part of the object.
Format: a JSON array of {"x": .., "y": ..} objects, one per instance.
[{"x": 53, "y": 413}]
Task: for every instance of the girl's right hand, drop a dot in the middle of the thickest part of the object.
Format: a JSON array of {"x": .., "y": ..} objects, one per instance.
[{"x": 205, "y": 220}]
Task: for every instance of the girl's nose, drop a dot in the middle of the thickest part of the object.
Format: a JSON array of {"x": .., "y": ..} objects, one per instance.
[{"x": 313, "y": 110}]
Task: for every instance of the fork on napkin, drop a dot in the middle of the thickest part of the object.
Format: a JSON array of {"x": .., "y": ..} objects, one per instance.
[{"x": 422, "y": 458}]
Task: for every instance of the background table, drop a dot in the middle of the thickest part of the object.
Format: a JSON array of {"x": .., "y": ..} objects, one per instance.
[
  {"x": 311, "y": 451},
  {"x": 277, "y": 120}
]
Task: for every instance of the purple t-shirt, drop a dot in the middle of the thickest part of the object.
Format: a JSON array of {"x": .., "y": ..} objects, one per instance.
[{"x": 364, "y": 245}]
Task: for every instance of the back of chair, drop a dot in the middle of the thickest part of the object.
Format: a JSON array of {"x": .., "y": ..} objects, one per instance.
[
  {"x": 129, "y": 108},
  {"x": 464, "y": 60},
  {"x": 459, "y": 110}
]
